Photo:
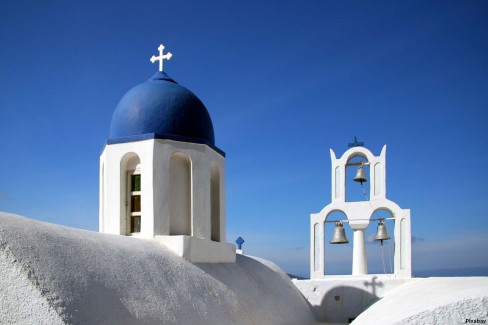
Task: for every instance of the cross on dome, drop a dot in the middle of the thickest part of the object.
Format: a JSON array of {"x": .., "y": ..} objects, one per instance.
[{"x": 161, "y": 57}]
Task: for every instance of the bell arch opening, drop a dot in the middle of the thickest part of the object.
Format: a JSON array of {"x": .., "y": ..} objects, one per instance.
[
  {"x": 380, "y": 256},
  {"x": 356, "y": 191},
  {"x": 337, "y": 257},
  {"x": 180, "y": 184}
]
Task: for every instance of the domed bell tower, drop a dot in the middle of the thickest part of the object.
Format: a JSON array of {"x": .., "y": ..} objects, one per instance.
[{"x": 161, "y": 175}]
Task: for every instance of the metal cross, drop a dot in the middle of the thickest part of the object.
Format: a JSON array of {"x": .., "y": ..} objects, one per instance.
[
  {"x": 161, "y": 57},
  {"x": 239, "y": 242},
  {"x": 355, "y": 143}
]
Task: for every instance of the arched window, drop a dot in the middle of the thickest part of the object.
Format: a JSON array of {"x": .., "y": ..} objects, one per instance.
[
  {"x": 134, "y": 200},
  {"x": 180, "y": 195},
  {"x": 131, "y": 190},
  {"x": 215, "y": 202}
]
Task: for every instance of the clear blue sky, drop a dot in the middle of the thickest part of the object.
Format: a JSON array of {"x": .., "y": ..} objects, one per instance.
[{"x": 284, "y": 81}]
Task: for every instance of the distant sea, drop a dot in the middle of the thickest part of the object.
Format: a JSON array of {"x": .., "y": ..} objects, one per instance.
[
  {"x": 467, "y": 271},
  {"x": 457, "y": 272}
]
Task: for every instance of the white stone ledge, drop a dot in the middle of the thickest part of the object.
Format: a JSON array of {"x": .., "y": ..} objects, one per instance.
[{"x": 197, "y": 250}]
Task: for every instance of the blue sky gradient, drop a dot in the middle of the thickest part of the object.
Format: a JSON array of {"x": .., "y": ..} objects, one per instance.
[{"x": 284, "y": 81}]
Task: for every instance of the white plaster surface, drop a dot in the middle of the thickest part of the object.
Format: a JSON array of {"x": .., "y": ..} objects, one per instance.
[
  {"x": 162, "y": 205},
  {"x": 199, "y": 250},
  {"x": 432, "y": 301},
  {"x": 20, "y": 301},
  {"x": 52, "y": 274}
]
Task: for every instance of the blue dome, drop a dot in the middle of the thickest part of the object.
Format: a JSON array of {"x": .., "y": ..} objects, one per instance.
[{"x": 161, "y": 108}]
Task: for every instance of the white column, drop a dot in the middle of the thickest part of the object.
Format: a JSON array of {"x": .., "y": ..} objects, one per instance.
[{"x": 359, "y": 262}]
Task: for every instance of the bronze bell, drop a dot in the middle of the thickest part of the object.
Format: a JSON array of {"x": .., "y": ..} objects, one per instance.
[
  {"x": 339, "y": 236},
  {"x": 360, "y": 175},
  {"x": 382, "y": 233}
]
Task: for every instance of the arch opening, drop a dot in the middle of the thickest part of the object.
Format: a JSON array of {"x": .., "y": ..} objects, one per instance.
[
  {"x": 380, "y": 257},
  {"x": 180, "y": 184},
  {"x": 355, "y": 191},
  {"x": 131, "y": 193},
  {"x": 337, "y": 258},
  {"x": 215, "y": 216}
]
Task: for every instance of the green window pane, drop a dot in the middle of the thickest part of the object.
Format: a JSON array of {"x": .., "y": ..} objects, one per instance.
[
  {"x": 135, "y": 203},
  {"x": 135, "y": 184},
  {"x": 135, "y": 224}
]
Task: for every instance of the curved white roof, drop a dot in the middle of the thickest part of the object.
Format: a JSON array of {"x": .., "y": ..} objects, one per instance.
[{"x": 57, "y": 275}]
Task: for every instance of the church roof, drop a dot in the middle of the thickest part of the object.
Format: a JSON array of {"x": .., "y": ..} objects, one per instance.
[
  {"x": 52, "y": 274},
  {"x": 431, "y": 301},
  {"x": 160, "y": 108}
]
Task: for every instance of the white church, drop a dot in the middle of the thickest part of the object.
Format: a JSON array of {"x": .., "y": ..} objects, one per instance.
[
  {"x": 161, "y": 254},
  {"x": 161, "y": 175}
]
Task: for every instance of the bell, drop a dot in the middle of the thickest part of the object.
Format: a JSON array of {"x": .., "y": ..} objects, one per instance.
[
  {"x": 381, "y": 233},
  {"x": 360, "y": 175},
  {"x": 339, "y": 236}
]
